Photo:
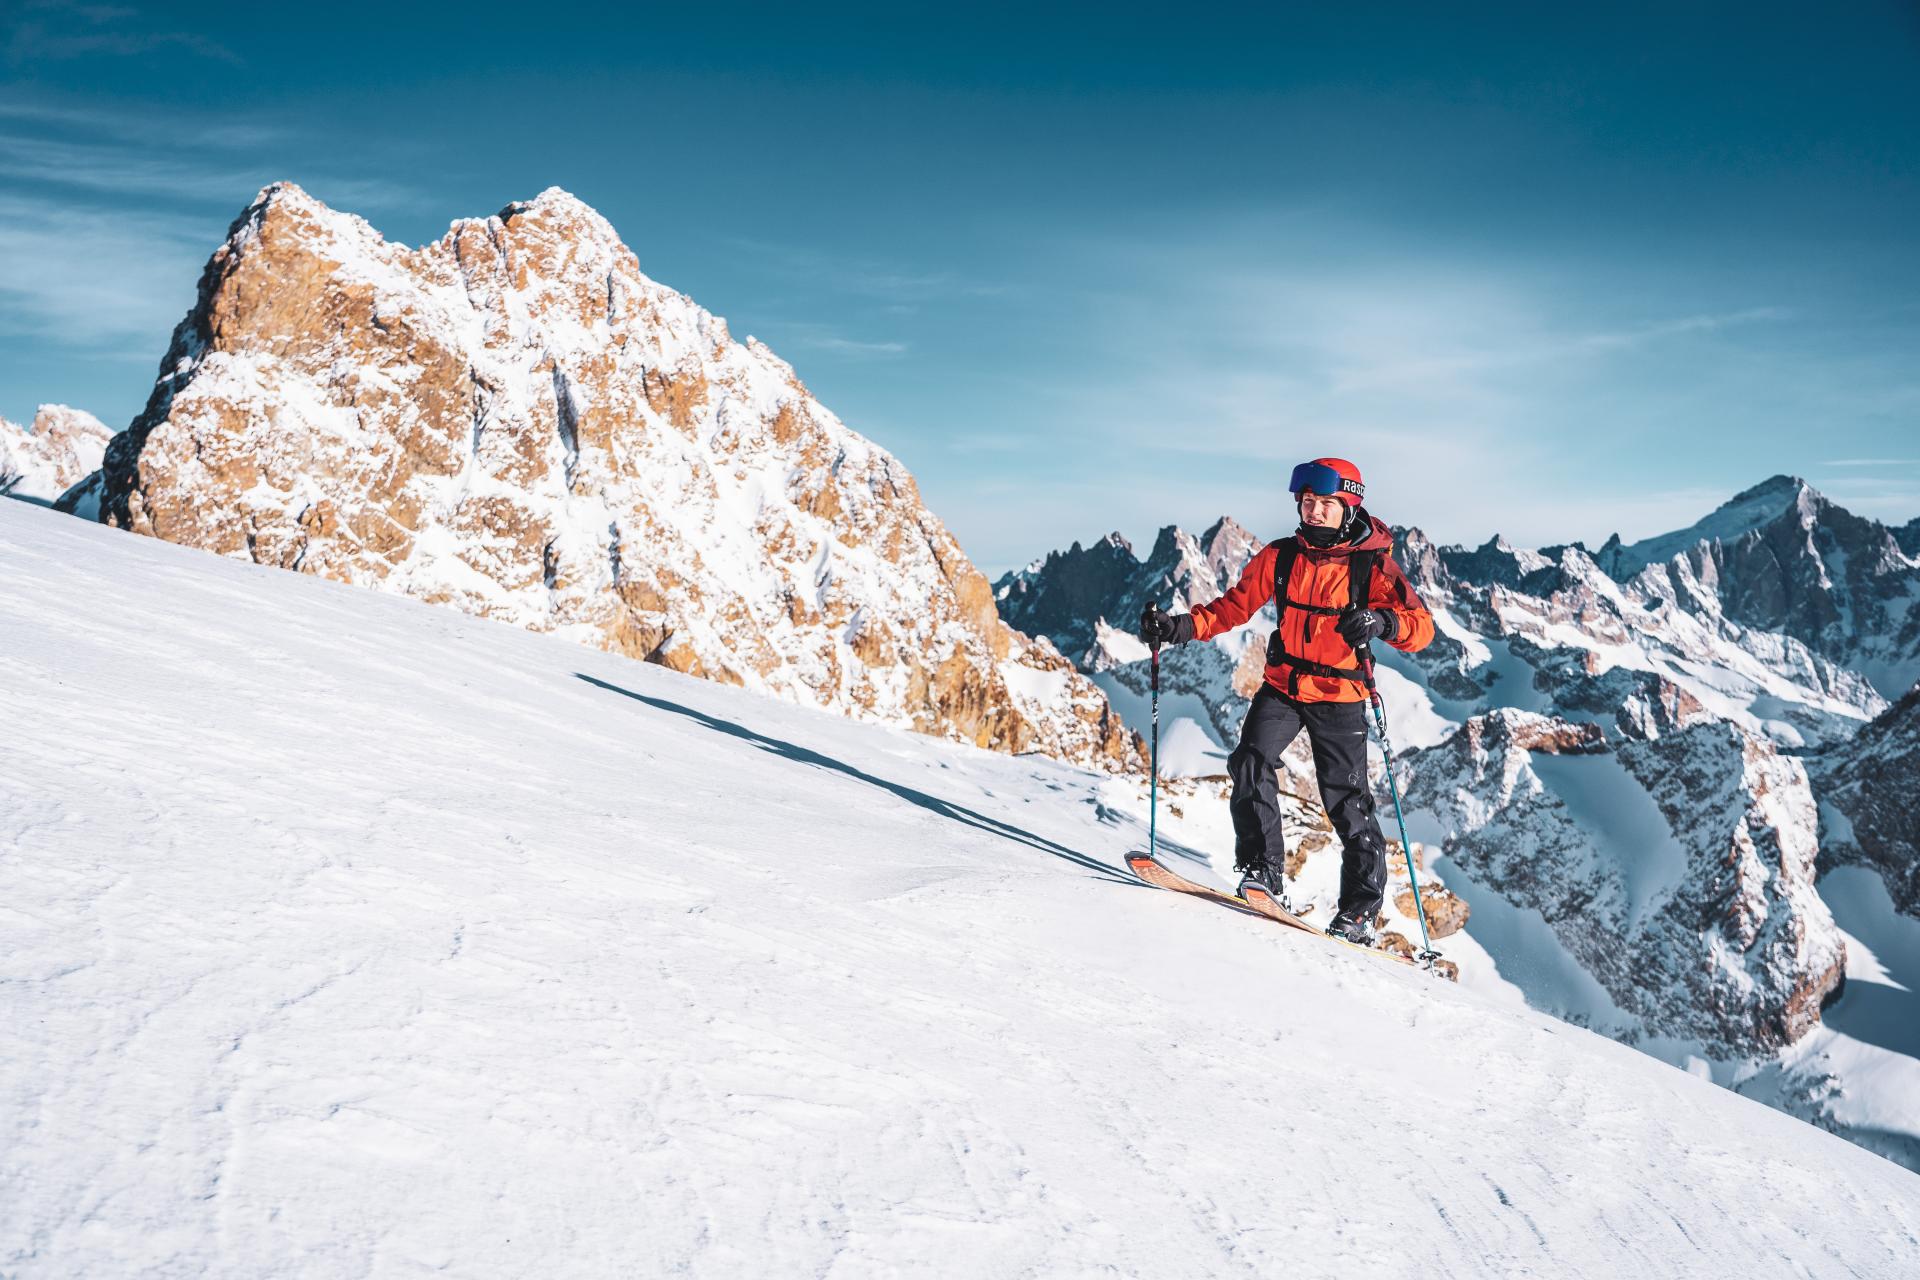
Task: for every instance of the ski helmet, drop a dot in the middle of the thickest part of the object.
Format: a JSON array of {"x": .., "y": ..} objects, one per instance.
[{"x": 1329, "y": 477}]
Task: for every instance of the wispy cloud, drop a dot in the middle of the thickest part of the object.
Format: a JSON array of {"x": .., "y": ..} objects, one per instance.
[
  {"x": 188, "y": 159},
  {"x": 862, "y": 277},
  {"x": 61, "y": 30},
  {"x": 102, "y": 166},
  {"x": 144, "y": 126},
  {"x": 1521, "y": 350},
  {"x": 1479, "y": 395},
  {"x": 113, "y": 282},
  {"x": 107, "y": 214},
  {"x": 818, "y": 338},
  {"x": 1870, "y": 462}
]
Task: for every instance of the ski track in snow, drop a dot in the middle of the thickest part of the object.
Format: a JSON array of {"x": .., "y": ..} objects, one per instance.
[{"x": 348, "y": 936}]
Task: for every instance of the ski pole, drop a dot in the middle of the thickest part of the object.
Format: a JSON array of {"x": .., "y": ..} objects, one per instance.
[
  {"x": 1428, "y": 954},
  {"x": 1153, "y": 764}
]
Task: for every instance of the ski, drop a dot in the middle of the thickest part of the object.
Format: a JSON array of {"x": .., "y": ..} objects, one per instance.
[{"x": 1258, "y": 901}]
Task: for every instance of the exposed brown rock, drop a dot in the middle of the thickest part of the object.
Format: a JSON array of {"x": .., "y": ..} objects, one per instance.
[
  {"x": 1446, "y": 912},
  {"x": 516, "y": 422}
]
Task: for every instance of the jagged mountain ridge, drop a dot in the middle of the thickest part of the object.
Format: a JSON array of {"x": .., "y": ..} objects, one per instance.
[
  {"x": 58, "y": 450},
  {"x": 1782, "y": 557},
  {"x": 1065, "y": 595},
  {"x": 515, "y": 421}
]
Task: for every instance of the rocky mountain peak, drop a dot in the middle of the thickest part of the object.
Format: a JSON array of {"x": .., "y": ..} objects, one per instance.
[
  {"x": 515, "y": 422},
  {"x": 1417, "y": 554},
  {"x": 1782, "y": 557},
  {"x": 556, "y": 204},
  {"x": 58, "y": 450},
  {"x": 1498, "y": 562}
]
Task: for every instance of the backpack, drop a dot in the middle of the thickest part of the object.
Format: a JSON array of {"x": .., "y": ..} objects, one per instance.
[{"x": 1360, "y": 566}]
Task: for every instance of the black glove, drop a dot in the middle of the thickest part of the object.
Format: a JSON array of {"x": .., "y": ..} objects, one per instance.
[
  {"x": 1158, "y": 628},
  {"x": 1357, "y": 626}
]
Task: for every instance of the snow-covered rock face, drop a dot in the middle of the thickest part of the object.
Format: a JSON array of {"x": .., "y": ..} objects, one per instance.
[
  {"x": 1709, "y": 928},
  {"x": 1870, "y": 789},
  {"x": 516, "y": 422},
  {"x": 1782, "y": 558},
  {"x": 58, "y": 451}
]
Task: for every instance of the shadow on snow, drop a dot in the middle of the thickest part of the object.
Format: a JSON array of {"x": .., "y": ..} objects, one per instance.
[{"x": 932, "y": 804}]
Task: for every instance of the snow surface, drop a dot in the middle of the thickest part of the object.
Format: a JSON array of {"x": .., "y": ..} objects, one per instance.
[{"x": 348, "y": 936}]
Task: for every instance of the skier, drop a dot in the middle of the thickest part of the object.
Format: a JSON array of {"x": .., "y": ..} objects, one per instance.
[{"x": 1340, "y": 589}]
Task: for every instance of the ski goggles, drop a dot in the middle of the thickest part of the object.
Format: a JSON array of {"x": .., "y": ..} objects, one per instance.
[{"x": 1318, "y": 477}]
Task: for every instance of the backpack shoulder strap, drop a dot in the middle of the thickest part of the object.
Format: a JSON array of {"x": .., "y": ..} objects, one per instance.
[
  {"x": 1360, "y": 566},
  {"x": 1286, "y": 551}
]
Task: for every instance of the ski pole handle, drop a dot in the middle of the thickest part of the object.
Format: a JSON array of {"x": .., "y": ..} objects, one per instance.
[{"x": 1365, "y": 653}]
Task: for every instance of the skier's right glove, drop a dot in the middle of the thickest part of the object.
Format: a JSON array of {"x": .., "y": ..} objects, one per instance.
[{"x": 1158, "y": 628}]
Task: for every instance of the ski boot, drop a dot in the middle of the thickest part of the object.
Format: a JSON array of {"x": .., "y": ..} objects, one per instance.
[
  {"x": 1357, "y": 929},
  {"x": 1268, "y": 880}
]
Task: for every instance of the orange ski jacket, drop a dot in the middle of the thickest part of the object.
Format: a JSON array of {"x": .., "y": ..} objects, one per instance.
[{"x": 1316, "y": 590}]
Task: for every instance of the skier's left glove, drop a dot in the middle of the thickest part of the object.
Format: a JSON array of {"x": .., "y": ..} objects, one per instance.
[{"x": 1357, "y": 626}]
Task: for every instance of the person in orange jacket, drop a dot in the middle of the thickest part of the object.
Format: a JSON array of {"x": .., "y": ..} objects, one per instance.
[{"x": 1338, "y": 590}]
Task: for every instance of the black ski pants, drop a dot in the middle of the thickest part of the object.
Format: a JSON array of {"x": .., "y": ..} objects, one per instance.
[{"x": 1338, "y": 734}]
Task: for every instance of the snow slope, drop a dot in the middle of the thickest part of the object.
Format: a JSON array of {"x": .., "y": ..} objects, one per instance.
[{"x": 348, "y": 936}]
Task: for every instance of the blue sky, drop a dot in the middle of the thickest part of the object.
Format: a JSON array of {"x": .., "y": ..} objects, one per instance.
[{"x": 1541, "y": 271}]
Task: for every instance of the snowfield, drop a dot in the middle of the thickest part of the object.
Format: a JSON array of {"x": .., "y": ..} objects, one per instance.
[{"x": 342, "y": 935}]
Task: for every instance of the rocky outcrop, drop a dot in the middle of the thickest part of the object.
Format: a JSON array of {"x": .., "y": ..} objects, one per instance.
[
  {"x": 1870, "y": 801},
  {"x": 516, "y": 422},
  {"x": 1446, "y": 912},
  {"x": 1088, "y": 602},
  {"x": 60, "y": 449}
]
